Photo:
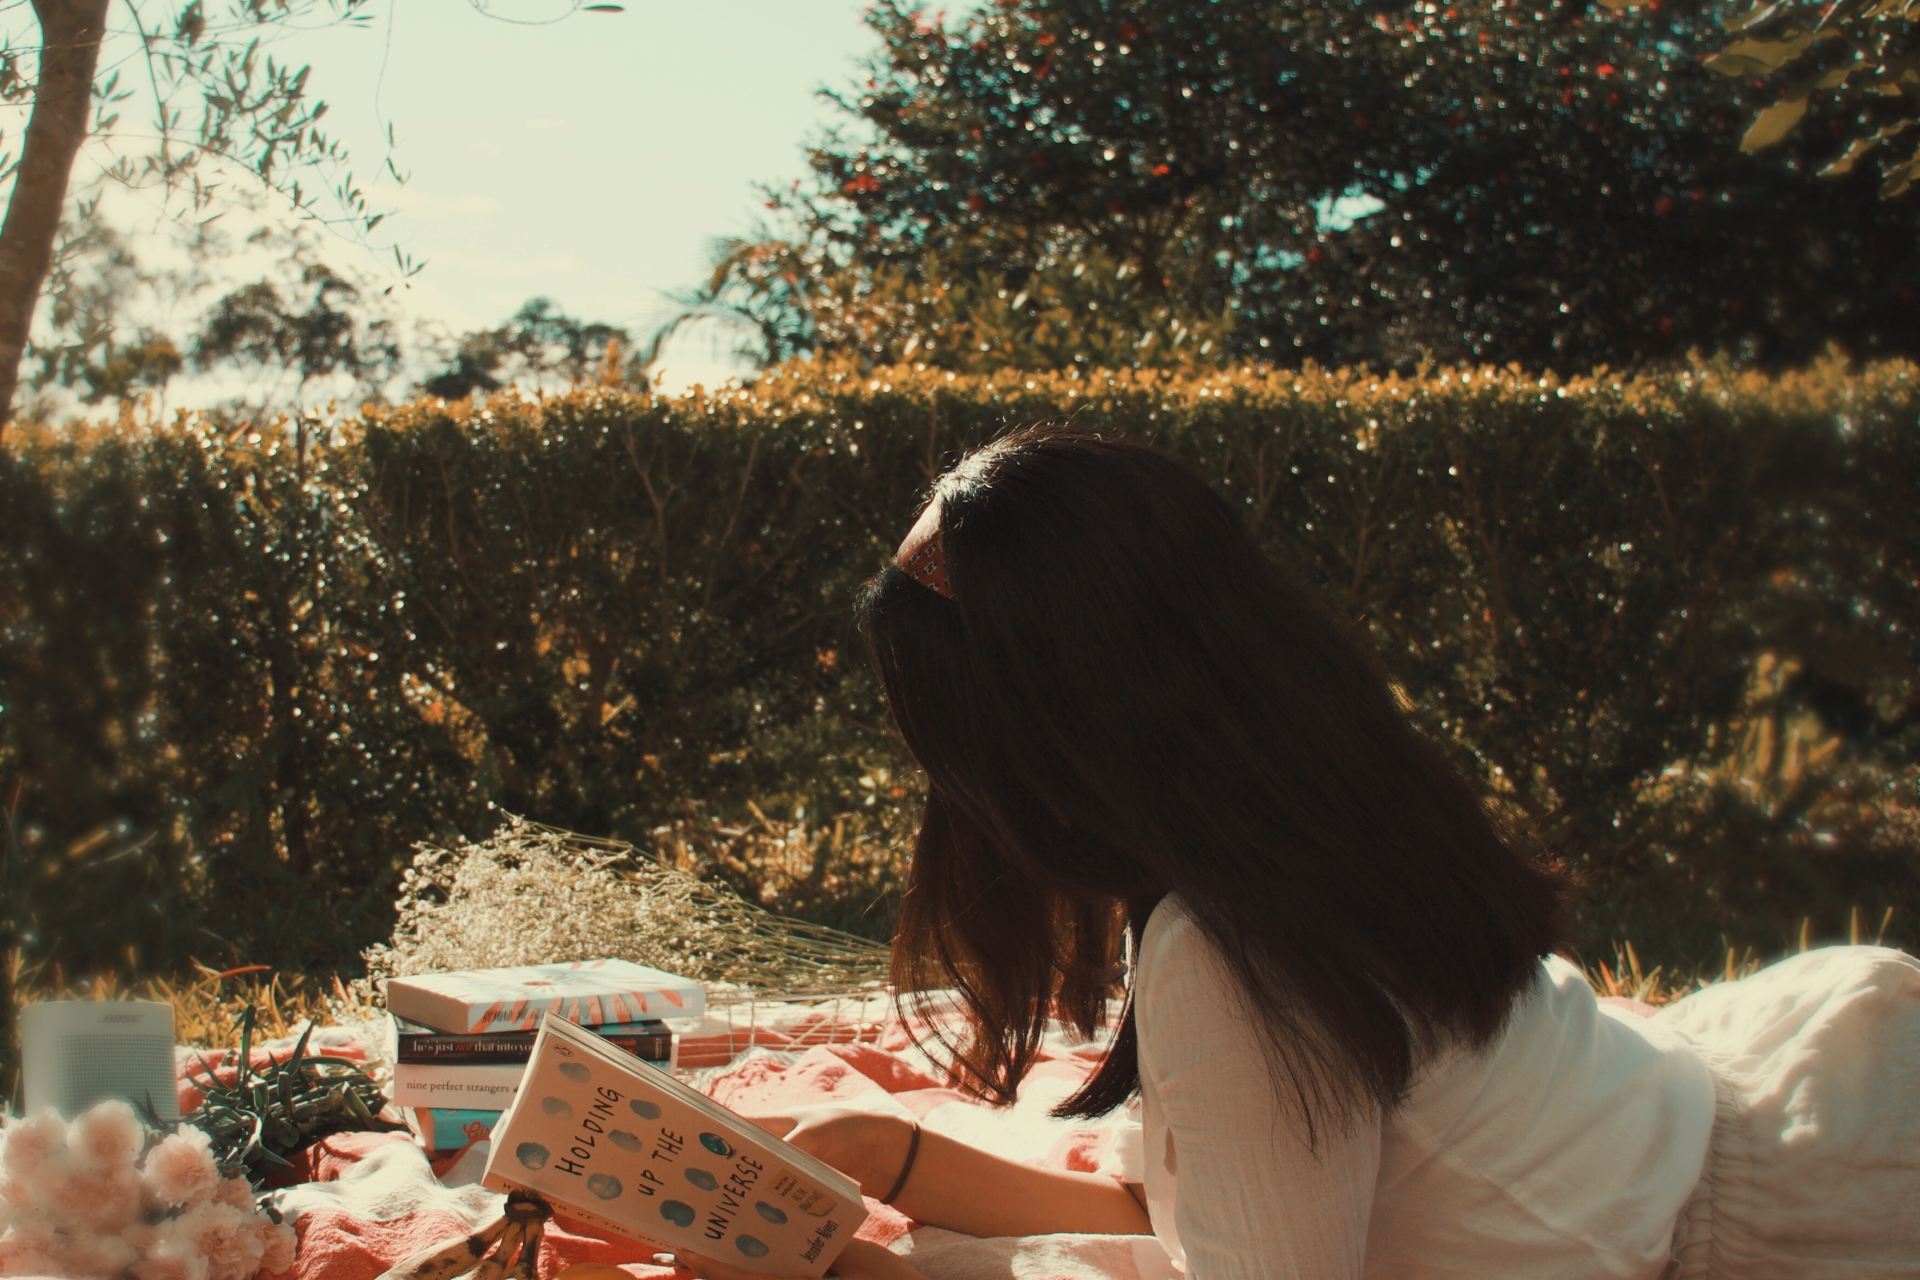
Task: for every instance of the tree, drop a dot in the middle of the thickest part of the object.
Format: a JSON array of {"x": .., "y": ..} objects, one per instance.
[
  {"x": 126, "y": 369},
  {"x": 70, "y": 36},
  {"x": 1085, "y": 312},
  {"x": 539, "y": 345},
  {"x": 317, "y": 325},
  {"x": 88, "y": 342},
  {"x": 218, "y": 100},
  {"x": 216, "y": 97},
  {"x": 1860, "y": 58},
  {"x": 1577, "y": 193},
  {"x": 1358, "y": 183}
]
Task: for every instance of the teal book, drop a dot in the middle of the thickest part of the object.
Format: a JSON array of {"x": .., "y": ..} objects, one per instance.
[{"x": 449, "y": 1128}]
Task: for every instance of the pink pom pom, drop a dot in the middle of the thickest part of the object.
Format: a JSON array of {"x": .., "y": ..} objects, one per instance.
[
  {"x": 105, "y": 1203},
  {"x": 31, "y": 1142},
  {"x": 207, "y": 1226},
  {"x": 30, "y": 1251},
  {"x": 281, "y": 1246},
  {"x": 239, "y": 1255},
  {"x": 54, "y": 1190},
  {"x": 180, "y": 1168},
  {"x": 107, "y": 1136},
  {"x": 94, "y": 1255},
  {"x": 236, "y": 1193},
  {"x": 169, "y": 1259}
]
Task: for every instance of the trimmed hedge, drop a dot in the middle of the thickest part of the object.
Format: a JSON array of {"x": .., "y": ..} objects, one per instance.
[{"x": 1673, "y": 618}]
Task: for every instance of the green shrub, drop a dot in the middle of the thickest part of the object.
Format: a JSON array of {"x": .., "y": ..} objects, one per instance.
[{"x": 1672, "y": 618}]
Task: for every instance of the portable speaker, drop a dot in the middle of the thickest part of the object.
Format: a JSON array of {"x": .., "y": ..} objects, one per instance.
[{"x": 75, "y": 1053}]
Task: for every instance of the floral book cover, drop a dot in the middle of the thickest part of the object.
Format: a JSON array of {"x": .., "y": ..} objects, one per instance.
[
  {"x": 617, "y": 1143},
  {"x": 592, "y": 992}
]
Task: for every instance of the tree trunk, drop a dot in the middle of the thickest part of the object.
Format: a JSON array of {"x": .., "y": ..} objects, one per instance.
[
  {"x": 13, "y": 912},
  {"x": 70, "y": 35}
]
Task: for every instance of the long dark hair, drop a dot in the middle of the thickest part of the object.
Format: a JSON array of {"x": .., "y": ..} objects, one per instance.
[{"x": 1125, "y": 698}]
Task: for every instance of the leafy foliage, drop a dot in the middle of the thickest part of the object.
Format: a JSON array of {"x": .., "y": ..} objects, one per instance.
[
  {"x": 1859, "y": 59},
  {"x": 537, "y": 346},
  {"x": 256, "y": 1116},
  {"x": 1480, "y": 180},
  {"x": 1670, "y": 618},
  {"x": 218, "y": 104},
  {"x": 315, "y": 330},
  {"x": 1084, "y": 313}
]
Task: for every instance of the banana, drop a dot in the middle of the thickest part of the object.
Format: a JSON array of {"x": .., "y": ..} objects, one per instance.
[
  {"x": 494, "y": 1265},
  {"x": 445, "y": 1261}
]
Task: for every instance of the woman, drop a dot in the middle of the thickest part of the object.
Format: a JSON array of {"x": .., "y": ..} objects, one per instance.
[{"x": 1352, "y": 1049}]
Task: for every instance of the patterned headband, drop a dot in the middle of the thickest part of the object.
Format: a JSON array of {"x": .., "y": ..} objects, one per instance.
[{"x": 923, "y": 556}]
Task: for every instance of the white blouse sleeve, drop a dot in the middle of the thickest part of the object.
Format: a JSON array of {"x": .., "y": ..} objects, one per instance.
[{"x": 1249, "y": 1201}]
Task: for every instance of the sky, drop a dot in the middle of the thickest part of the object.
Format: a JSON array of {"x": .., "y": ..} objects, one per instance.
[{"x": 591, "y": 160}]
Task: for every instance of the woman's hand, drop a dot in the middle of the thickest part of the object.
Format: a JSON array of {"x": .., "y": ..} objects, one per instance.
[
  {"x": 860, "y": 1260},
  {"x": 867, "y": 1146}
]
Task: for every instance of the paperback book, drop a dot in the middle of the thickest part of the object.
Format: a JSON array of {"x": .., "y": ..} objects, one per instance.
[
  {"x": 413, "y": 1042},
  {"x": 483, "y": 1085},
  {"x": 449, "y": 1128},
  {"x": 594, "y": 992},
  {"x": 460, "y": 1088},
  {"x": 620, "y": 1144}
]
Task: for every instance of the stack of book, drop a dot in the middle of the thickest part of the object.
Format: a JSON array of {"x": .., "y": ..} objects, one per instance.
[{"x": 460, "y": 1042}]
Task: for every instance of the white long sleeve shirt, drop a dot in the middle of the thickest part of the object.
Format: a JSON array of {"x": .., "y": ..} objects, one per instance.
[{"x": 1564, "y": 1149}]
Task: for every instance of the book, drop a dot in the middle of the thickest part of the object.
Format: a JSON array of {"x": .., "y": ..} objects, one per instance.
[
  {"x": 512, "y": 999},
  {"x": 412, "y": 1042},
  {"x": 482, "y": 1085},
  {"x": 449, "y": 1128},
  {"x": 620, "y": 1144},
  {"x": 484, "y": 1088}
]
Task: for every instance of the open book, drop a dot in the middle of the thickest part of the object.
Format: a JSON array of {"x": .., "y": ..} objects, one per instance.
[{"x": 618, "y": 1143}]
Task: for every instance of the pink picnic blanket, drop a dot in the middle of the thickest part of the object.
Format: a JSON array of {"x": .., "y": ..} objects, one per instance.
[{"x": 362, "y": 1201}]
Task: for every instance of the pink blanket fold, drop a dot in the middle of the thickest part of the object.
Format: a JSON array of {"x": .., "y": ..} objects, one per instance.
[{"x": 362, "y": 1201}]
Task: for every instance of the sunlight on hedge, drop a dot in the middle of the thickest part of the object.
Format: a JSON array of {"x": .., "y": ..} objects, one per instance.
[{"x": 1671, "y": 618}]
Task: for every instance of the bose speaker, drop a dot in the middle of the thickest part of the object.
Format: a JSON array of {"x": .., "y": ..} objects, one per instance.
[{"x": 78, "y": 1052}]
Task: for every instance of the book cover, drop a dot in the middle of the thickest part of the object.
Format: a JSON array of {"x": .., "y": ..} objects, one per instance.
[
  {"x": 512, "y": 999},
  {"x": 412, "y": 1042},
  {"x": 449, "y": 1128},
  {"x": 620, "y": 1144}
]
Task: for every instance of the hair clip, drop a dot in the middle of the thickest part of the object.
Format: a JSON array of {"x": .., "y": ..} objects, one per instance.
[{"x": 923, "y": 555}]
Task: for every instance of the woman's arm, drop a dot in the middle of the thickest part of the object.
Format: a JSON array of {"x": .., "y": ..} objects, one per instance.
[
  {"x": 963, "y": 1188},
  {"x": 959, "y": 1187}
]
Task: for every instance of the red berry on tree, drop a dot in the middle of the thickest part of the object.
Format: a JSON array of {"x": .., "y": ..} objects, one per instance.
[{"x": 1663, "y": 207}]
